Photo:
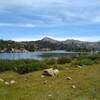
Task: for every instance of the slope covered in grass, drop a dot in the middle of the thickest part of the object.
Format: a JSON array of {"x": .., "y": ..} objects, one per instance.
[{"x": 32, "y": 87}]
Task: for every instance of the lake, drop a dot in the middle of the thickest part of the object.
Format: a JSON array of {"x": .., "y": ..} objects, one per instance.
[{"x": 39, "y": 55}]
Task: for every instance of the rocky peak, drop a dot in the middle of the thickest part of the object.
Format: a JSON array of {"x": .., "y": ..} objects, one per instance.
[{"x": 47, "y": 39}]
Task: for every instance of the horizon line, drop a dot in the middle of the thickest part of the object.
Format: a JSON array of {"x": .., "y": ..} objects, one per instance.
[{"x": 53, "y": 38}]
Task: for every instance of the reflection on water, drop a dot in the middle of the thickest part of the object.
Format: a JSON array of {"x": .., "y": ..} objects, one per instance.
[{"x": 36, "y": 55}]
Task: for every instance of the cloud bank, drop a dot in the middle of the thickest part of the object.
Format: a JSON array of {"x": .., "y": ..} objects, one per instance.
[{"x": 51, "y": 12}]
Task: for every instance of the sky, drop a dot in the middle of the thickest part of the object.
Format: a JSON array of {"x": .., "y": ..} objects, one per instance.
[{"x": 27, "y": 20}]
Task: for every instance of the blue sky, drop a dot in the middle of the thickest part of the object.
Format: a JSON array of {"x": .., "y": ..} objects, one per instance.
[{"x": 59, "y": 19}]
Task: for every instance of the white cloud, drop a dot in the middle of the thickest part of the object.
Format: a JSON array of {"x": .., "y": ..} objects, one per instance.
[
  {"x": 16, "y": 25},
  {"x": 53, "y": 12},
  {"x": 29, "y": 25},
  {"x": 96, "y": 19},
  {"x": 23, "y": 39}
]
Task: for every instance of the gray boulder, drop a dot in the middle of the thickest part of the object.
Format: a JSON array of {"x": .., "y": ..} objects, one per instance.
[{"x": 51, "y": 72}]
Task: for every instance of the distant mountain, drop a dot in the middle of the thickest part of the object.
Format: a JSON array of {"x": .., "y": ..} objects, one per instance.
[
  {"x": 68, "y": 45},
  {"x": 47, "y": 39},
  {"x": 71, "y": 41},
  {"x": 49, "y": 44}
]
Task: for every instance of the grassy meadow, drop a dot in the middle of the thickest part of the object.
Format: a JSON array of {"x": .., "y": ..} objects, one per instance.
[{"x": 31, "y": 86}]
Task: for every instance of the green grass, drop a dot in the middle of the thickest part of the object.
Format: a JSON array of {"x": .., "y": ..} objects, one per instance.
[{"x": 86, "y": 80}]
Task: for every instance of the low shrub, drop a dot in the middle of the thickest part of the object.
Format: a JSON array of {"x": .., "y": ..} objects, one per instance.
[
  {"x": 25, "y": 68},
  {"x": 64, "y": 60},
  {"x": 5, "y": 65},
  {"x": 60, "y": 67},
  {"x": 83, "y": 61},
  {"x": 21, "y": 66},
  {"x": 50, "y": 61}
]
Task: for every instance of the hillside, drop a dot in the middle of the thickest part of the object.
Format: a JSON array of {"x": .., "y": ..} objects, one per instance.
[{"x": 48, "y": 44}]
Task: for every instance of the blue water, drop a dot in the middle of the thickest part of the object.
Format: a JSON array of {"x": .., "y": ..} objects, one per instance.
[{"x": 36, "y": 55}]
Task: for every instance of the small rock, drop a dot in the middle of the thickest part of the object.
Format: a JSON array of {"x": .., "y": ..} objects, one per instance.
[
  {"x": 7, "y": 83},
  {"x": 42, "y": 76},
  {"x": 68, "y": 78},
  {"x": 73, "y": 86},
  {"x": 1, "y": 80},
  {"x": 25, "y": 78},
  {"x": 12, "y": 81},
  {"x": 49, "y": 95},
  {"x": 45, "y": 82},
  {"x": 79, "y": 66}
]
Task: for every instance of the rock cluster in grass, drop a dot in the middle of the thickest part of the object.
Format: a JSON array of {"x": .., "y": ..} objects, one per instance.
[{"x": 8, "y": 83}]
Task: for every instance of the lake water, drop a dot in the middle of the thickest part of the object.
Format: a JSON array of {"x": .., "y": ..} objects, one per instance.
[{"x": 36, "y": 55}]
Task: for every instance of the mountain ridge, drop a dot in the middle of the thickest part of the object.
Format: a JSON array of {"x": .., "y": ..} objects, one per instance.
[{"x": 47, "y": 43}]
